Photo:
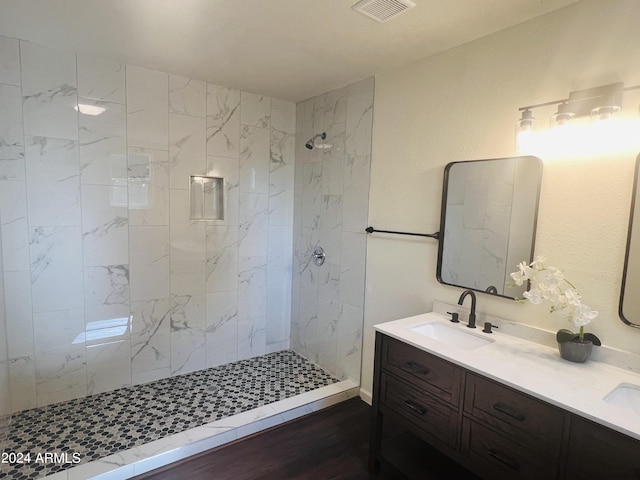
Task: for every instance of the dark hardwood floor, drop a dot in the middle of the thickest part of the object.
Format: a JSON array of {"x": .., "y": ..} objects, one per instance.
[{"x": 330, "y": 444}]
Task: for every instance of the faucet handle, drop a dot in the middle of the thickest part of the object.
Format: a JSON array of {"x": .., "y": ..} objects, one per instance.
[
  {"x": 454, "y": 317},
  {"x": 487, "y": 327}
]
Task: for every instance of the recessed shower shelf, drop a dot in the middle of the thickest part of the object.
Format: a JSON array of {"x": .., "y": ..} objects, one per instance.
[{"x": 206, "y": 198}]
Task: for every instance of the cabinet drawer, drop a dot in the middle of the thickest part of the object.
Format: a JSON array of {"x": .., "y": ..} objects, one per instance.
[
  {"x": 596, "y": 452},
  {"x": 498, "y": 457},
  {"x": 422, "y": 369},
  {"x": 421, "y": 408},
  {"x": 524, "y": 419}
]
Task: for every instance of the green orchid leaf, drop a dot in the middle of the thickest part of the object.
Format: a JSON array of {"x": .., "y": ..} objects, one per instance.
[
  {"x": 565, "y": 335},
  {"x": 595, "y": 340}
]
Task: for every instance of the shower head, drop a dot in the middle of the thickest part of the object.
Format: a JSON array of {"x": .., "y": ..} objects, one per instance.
[{"x": 311, "y": 143}]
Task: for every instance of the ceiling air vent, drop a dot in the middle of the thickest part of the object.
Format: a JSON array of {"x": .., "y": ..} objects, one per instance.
[{"x": 383, "y": 10}]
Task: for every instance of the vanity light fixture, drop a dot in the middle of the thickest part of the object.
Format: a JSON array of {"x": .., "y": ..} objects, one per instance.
[{"x": 599, "y": 103}]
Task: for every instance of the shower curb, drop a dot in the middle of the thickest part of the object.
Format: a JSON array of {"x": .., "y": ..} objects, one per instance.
[{"x": 161, "y": 452}]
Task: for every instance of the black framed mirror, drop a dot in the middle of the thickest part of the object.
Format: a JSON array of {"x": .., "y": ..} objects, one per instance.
[
  {"x": 629, "y": 307},
  {"x": 488, "y": 222}
]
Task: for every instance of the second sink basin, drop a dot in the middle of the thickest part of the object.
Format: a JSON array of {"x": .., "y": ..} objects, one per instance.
[
  {"x": 453, "y": 336},
  {"x": 626, "y": 396}
]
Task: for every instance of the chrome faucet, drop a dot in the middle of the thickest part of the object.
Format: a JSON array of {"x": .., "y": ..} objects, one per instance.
[{"x": 472, "y": 313}]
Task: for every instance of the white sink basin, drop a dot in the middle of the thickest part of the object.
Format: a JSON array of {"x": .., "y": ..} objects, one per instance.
[
  {"x": 451, "y": 335},
  {"x": 626, "y": 396}
]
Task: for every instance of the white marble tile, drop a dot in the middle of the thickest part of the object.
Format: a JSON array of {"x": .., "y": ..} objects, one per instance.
[
  {"x": 14, "y": 223},
  {"x": 106, "y": 300},
  {"x": 148, "y": 186},
  {"x": 11, "y": 133},
  {"x": 364, "y": 85},
  {"x": 147, "y": 376},
  {"x": 222, "y": 258},
  {"x": 329, "y": 300},
  {"x": 281, "y": 193},
  {"x": 61, "y": 372},
  {"x": 353, "y": 267},
  {"x": 5, "y": 397},
  {"x": 49, "y": 92},
  {"x": 150, "y": 336},
  {"x": 9, "y": 61},
  {"x": 149, "y": 262},
  {"x": 311, "y": 189},
  {"x": 56, "y": 253},
  {"x": 188, "y": 350},
  {"x": 309, "y": 271},
  {"x": 350, "y": 325},
  {"x": 112, "y": 467},
  {"x": 105, "y": 227},
  {"x": 101, "y": 79},
  {"x": 188, "y": 298},
  {"x": 254, "y": 159},
  {"x": 252, "y": 287},
  {"x": 331, "y": 228},
  {"x": 22, "y": 377},
  {"x": 335, "y": 106},
  {"x": 229, "y": 169},
  {"x": 359, "y": 123},
  {"x": 223, "y": 121},
  {"x": 278, "y": 323},
  {"x": 252, "y": 337},
  {"x": 279, "y": 256},
  {"x": 103, "y": 145},
  {"x": 187, "y": 149},
  {"x": 187, "y": 96},
  {"x": 255, "y": 110},
  {"x": 303, "y": 329},
  {"x": 355, "y": 199},
  {"x": 283, "y": 136},
  {"x": 53, "y": 182},
  {"x": 108, "y": 366},
  {"x": 147, "y": 108},
  {"x": 188, "y": 237},
  {"x": 18, "y": 314},
  {"x": 59, "y": 329},
  {"x": 333, "y": 162},
  {"x": 222, "y": 327},
  {"x": 253, "y": 214}
]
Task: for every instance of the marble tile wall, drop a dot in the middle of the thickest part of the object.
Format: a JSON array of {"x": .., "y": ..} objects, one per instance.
[
  {"x": 107, "y": 281},
  {"x": 5, "y": 387},
  {"x": 331, "y": 201}
]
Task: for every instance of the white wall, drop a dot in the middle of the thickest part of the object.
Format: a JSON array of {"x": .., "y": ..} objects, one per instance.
[
  {"x": 96, "y": 225},
  {"x": 462, "y": 105}
]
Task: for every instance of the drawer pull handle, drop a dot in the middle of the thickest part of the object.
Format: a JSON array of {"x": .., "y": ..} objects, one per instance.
[
  {"x": 509, "y": 412},
  {"x": 417, "y": 368},
  {"x": 504, "y": 460},
  {"x": 416, "y": 408}
]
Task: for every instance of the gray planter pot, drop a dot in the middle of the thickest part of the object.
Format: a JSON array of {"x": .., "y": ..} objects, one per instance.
[{"x": 577, "y": 352}]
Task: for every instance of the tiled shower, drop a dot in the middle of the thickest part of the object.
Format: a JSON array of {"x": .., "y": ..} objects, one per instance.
[{"x": 108, "y": 281}]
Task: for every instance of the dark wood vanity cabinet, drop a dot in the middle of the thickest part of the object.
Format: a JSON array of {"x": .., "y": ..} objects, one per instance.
[
  {"x": 598, "y": 453},
  {"x": 492, "y": 430}
]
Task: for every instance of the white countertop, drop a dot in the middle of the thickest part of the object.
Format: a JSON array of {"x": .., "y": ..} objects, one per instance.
[{"x": 531, "y": 368}]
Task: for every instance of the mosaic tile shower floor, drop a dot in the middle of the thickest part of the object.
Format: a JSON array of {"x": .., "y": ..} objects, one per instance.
[{"x": 100, "y": 425}]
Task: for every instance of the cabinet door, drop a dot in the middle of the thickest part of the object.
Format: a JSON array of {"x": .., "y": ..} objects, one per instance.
[
  {"x": 426, "y": 371},
  {"x": 497, "y": 457},
  {"x": 530, "y": 422},
  {"x": 596, "y": 452}
]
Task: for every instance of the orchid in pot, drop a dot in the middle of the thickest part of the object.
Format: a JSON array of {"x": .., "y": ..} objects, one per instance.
[{"x": 550, "y": 285}]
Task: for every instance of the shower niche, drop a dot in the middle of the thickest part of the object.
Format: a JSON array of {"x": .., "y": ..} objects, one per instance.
[{"x": 206, "y": 195}]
